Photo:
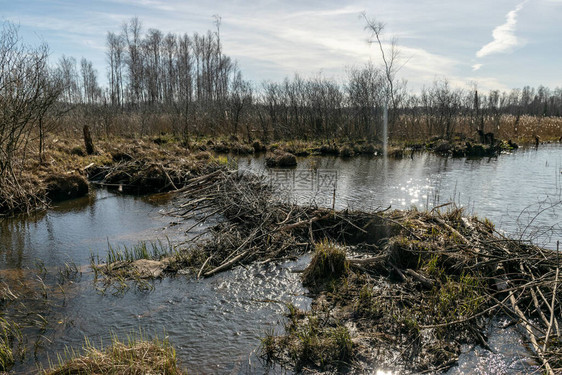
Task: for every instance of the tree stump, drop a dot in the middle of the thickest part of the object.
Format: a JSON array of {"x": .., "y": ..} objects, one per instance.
[{"x": 88, "y": 140}]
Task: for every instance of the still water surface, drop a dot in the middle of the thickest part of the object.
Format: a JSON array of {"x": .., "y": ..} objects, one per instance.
[
  {"x": 513, "y": 190},
  {"x": 216, "y": 324}
]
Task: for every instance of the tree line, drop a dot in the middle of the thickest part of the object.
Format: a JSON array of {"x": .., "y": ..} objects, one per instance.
[{"x": 187, "y": 85}]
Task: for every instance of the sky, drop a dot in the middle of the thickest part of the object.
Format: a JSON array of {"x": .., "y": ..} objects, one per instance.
[{"x": 500, "y": 44}]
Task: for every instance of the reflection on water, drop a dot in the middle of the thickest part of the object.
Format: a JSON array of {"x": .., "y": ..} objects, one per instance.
[
  {"x": 509, "y": 190},
  {"x": 216, "y": 324},
  {"x": 75, "y": 229}
]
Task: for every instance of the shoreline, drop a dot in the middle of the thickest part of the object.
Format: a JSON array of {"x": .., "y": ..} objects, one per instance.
[
  {"x": 161, "y": 164},
  {"x": 419, "y": 283}
]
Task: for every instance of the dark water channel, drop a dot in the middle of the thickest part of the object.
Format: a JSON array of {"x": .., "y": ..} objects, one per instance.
[{"x": 216, "y": 324}]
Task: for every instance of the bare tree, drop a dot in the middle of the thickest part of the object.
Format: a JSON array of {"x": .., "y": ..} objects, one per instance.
[
  {"x": 152, "y": 46},
  {"x": 90, "y": 87},
  {"x": 240, "y": 99},
  {"x": 169, "y": 69},
  {"x": 68, "y": 74},
  {"x": 389, "y": 57},
  {"x": 132, "y": 37},
  {"x": 27, "y": 91},
  {"x": 365, "y": 95},
  {"x": 115, "y": 59},
  {"x": 184, "y": 71}
]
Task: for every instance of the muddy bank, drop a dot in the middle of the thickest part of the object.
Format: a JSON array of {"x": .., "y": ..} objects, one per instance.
[
  {"x": 280, "y": 159},
  {"x": 156, "y": 164},
  {"x": 400, "y": 289},
  {"x": 135, "y": 166},
  {"x": 62, "y": 187}
]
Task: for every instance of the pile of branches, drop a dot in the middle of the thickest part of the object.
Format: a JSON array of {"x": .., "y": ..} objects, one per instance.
[
  {"x": 138, "y": 175},
  {"x": 439, "y": 277},
  {"x": 421, "y": 285},
  {"x": 505, "y": 277},
  {"x": 253, "y": 225}
]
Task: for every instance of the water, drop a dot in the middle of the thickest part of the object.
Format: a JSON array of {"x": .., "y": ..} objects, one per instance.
[
  {"x": 216, "y": 324},
  {"x": 513, "y": 190},
  {"x": 508, "y": 355}
]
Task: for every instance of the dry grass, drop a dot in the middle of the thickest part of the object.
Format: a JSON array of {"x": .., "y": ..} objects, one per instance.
[
  {"x": 135, "y": 357},
  {"x": 547, "y": 128},
  {"x": 161, "y": 163},
  {"x": 417, "y": 129}
]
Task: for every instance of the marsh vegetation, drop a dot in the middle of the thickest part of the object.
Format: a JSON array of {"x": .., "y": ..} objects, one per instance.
[
  {"x": 185, "y": 89},
  {"x": 418, "y": 283},
  {"x": 408, "y": 285},
  {"x": 134, "y": 356}
]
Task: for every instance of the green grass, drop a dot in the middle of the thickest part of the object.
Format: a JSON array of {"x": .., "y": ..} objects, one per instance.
[
  {"x": 325, "y": 347},
  {"x": 9, "y": 334},
  {"x": 142, "y": 250},
  {"x": 309, "y": 341},
  {"x": 115, "y": 272},
  {"x": 328, "y": 264}
]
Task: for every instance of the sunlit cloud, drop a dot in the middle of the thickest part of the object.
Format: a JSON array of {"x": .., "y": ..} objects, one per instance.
[
  {"x": 504, "y": 35},
  {"x": 305, "y": 43},
  {"x": 273, "y": 39}
]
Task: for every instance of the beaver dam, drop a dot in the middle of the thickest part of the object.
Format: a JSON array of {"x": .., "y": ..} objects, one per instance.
[{"x": 399, "y": 289}]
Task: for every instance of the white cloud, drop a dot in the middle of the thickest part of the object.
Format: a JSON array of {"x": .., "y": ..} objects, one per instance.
[
  {"x": 308, "y": 43},
  {"x": 504, "y": 35},
  {"x": 272, "y": 39},
  {"x": 486, "y": 83}
]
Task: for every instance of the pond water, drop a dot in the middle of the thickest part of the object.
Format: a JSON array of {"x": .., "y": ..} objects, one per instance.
[
  {"x": 216, "y": 324},
  {"x": 520, "y": 193}
]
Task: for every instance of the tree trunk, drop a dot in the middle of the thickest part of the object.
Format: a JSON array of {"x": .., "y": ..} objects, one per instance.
[
  {"x": 41, "y": 140},
  {"x": 88, "y": 140}
]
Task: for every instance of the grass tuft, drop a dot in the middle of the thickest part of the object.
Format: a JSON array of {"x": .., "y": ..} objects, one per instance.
[
  {"x": 328, "y": 264},
  {"x": 133, "y": 357}
]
